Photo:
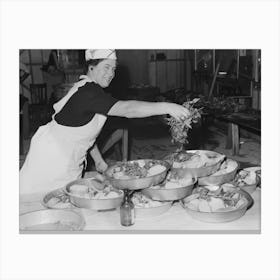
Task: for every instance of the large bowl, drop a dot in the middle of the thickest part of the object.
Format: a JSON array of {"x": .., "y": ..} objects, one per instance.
[
  {"x": 165, "y": 194},
  {"x": 51, "y": 220},
  {"x": 139, "y": 183},
  {"x": 219, "y": 179},
  {"x": 57, "y": 199},
  {"x": 150, "y": 212},
  {"x": 250, "y": 188},
  {"x": 221, "y": 217},
  {"x": 195, "y": 172},
  {"x": 93, "y": 203},
  {"x": 145, "y": 213},
  {"x": 256, "y": 169}
]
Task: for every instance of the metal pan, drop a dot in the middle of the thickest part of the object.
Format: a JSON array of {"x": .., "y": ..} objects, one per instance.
[
  {"x": 221, "y": 217},
  {"x": 195, "y": 172},
  {"x": 250, "y": 188},
  {"x": 57, "y": 199},
  {"x": 93, "y": 203},
  {"x": 219, "y": 179},
  {"x": 139, "y": 183},
  {"x": 165, "y": 194},
  {"x": 145, "y": 213},
  {"x": 51, "y": 220}
]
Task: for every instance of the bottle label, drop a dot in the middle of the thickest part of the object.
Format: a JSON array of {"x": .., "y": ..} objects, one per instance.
[{"x": 127, "y": 215}]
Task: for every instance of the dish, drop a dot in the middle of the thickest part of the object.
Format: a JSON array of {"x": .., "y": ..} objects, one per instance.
[
  {"x": 217, "y": 205},
  {"x": 256, "y": 169},
  {"x": 137, "y": 174},
  {"x": 196, "y": 159},
  {"x": 57, "y": 199},
  {"x": 247, "y": 180},
  {"x": 91, "y": 194},
  {"x": 137, "y": 169},
  {"x": 226, "y": 173},
  {"x": 173, "y": 188},
  {"x": 146, "y": 207},
  {"x": 51, "y": 220},
  {"x": 198, "y": 163}
]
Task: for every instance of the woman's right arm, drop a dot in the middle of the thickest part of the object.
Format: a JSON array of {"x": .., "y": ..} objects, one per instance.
[{"x": 142, "y": 109}]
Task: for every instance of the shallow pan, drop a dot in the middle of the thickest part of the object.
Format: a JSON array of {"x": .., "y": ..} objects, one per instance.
[
  {"x": 165, "y": 194},
  {"x": 57, "y": 199},
  {"x": 219, "y": 179},
  {"x": 257, "y": 170},
  {"x": 93, "y": 203},
  {"x": 248, "y": 188},
  {"x": 251, "y": 188},
  {"x": 221, "y": 217},
  {"x": 51, "y": 220},
  {"x": 139, "y": 183},
  {"x": 144, "y": 213},
  {"x": 195, "y": 172}
]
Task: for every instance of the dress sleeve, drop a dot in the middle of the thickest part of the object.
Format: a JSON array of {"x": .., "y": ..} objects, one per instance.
[{"x": 89, "y": 100}]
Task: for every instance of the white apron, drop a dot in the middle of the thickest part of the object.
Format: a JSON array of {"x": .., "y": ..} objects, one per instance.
[{"x": 57, "y": 152}]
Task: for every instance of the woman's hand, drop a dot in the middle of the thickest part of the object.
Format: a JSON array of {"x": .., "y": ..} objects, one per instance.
[
  {"x": 101, "y": 166},
  {"x": 179, "y": 112}
]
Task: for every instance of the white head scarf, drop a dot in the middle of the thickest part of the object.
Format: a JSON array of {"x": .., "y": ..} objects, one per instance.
[{"x": 100, "y": 54}]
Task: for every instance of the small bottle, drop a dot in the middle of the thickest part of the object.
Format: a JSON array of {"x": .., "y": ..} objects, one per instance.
[{"x": 127, "y": 211}]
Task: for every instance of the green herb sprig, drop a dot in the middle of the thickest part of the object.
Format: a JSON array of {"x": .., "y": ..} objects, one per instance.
[{"x": 179, "y": 128}]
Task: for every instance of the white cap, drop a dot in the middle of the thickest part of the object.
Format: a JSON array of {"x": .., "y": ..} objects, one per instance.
[{"x": 100, "y": 54}]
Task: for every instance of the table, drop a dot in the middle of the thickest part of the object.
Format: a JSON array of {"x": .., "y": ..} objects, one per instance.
[
  {"x": 236, "y": 121},
  {"x": 175, "y": 220}
]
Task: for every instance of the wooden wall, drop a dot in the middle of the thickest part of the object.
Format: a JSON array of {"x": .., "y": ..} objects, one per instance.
[
  {"x": 136, "y": 62},
  {"x": 169, "y": 72},
  {"x": 142, "y": 67}
]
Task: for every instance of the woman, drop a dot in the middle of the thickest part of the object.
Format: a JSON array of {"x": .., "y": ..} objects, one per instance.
[{"x": 58, "y": 149}]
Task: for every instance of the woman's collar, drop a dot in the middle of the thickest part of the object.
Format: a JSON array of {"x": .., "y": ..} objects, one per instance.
[{"x": 86, "y": 77}]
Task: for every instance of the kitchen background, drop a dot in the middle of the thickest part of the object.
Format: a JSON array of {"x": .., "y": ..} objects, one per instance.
[{"x": 225, "y": 80}]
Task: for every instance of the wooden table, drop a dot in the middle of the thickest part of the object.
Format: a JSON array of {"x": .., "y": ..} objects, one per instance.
[
  {"x": 236, "y": 121},
  {"x": 175, "y": 220}
]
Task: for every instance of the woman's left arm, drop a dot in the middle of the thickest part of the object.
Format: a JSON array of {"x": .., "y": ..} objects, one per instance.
[{"x": 100, "y": 164}]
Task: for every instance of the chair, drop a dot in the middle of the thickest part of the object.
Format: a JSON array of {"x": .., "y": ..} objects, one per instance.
[
  {"x": 39, "y": 107},
  {"x": 38, "y": 94}
]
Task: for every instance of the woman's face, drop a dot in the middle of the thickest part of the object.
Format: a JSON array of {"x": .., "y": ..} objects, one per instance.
[{"x": 104, "y": 72}]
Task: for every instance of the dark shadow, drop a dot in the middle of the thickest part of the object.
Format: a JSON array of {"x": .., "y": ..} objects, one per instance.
[{"x": 147, "y": 128}]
